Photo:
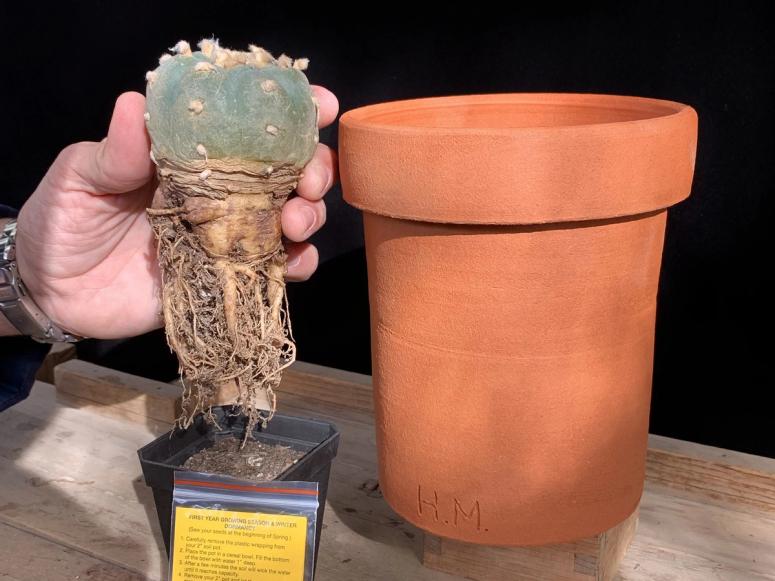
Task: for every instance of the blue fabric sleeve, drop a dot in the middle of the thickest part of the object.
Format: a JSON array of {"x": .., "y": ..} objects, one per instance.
[{"x": 20, "y": 358}]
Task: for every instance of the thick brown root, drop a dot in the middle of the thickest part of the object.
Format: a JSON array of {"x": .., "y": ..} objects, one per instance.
[{"x": 224, "y": 301}]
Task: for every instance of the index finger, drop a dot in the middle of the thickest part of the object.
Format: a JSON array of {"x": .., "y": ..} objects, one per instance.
[{"x": 328, "y": 104}]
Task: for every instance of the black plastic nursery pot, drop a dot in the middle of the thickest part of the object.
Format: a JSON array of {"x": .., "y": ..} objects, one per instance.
[{"x": 167, "y": 453}]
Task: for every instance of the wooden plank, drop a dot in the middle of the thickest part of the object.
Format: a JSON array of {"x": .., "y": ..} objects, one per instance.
[
  {"x": 318, "y": 383},
  {"x": 125, "y": 395},
  {"x": 713, "y": 480},
  {"x": 25, "y": 556},
  {"x": 593, "y": 559},
  {"x": 155, "y": 426},
  {"x": 326, "y": 385},
  {"x": 691, "y": 539},
  {"x": 71, "y": 476},
  {"x": 59, "y": 353},
  {"x": 116, "y": 393},
  {"x": 711, "y": 453},
  {"x": 614, "y": 545}
]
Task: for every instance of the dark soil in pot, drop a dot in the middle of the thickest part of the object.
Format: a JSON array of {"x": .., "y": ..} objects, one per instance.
[{"x": 256, "y": 461}]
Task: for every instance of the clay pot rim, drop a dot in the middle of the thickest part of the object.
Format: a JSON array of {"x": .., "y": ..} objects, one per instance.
[
  {"x": 627, "y": 156},
  {"x": 363, "y": 117}
]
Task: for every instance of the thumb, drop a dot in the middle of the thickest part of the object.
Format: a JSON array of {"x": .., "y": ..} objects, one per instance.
[{"x": 120, "y": 162}]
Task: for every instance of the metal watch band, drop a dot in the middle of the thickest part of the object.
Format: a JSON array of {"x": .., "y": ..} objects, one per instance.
[{"x": 16, "y": 304}]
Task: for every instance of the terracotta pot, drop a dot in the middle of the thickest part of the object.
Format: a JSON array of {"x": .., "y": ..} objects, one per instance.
[{"x": 514, "y": 246}]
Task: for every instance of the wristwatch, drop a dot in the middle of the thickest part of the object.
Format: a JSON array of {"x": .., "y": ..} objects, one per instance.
[{"x": 16, "y": 303}]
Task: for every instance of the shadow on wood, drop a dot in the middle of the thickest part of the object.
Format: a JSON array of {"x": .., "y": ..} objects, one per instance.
[{"x": 60, "y": 352}]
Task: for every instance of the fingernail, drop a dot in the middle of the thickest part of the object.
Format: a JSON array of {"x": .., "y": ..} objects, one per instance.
[
  {"x": 310, "y": 218},
  {"x": 322, "y": 176},
  {"x": 326, "y": 175},
  {"x": 294, "y": 263}
]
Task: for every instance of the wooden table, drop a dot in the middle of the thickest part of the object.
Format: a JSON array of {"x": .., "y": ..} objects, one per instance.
[{"x": 73, "y": 504}]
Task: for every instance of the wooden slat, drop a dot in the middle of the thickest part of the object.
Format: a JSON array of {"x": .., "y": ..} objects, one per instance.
[
  {"x": 117, "y": 394},
  {"x": 328, "y": 386},
  {"x": 113, "y": 389},
  {"x": 71, "y": 476},
  {"x": 690, "y": 539},
  {"x": 712, "y": 454},
  {"x": 594, "y": 559},
  {"x": 716, "y": 481},
  {"x": 614, "y": 545},
  {"x": 317, "y": 383},
  {"x": 25, "y": 556}
]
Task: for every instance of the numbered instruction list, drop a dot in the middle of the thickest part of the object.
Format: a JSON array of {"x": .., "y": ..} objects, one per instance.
[{"x": 226, "y": 545}]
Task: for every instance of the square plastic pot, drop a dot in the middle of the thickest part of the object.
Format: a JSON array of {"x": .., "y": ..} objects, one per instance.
[{"x": 167, "y": 454}]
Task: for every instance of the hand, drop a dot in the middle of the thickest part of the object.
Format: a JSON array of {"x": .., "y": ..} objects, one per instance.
[{"x": 84, "y": 246}]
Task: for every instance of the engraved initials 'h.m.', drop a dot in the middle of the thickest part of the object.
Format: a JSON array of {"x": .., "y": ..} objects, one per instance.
[
  {"x": 475, "y": 511},
  {"x": 434, "y": 504}
]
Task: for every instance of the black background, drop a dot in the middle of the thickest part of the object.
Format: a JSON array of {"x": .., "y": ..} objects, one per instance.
[{"x": 63, "y": 66}]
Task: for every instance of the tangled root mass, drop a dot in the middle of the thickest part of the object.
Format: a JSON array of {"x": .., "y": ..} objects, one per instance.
[{"x": 224, "y": 301}]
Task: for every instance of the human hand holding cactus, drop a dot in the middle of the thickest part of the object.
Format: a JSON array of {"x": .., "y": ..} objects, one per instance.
[{"x": 85, "y": 248}]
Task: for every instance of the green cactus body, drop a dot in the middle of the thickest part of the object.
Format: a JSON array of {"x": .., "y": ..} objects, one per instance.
[{"x": 231, "y": 132}]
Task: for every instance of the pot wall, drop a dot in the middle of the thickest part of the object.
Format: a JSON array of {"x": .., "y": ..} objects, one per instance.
[{"x": 512, "y": 373}]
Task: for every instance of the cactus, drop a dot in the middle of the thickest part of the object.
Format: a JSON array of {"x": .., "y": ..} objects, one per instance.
[{"x": 231, "y": 132}]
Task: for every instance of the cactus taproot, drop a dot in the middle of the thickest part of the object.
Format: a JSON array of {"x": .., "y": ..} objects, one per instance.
[{"x": 231, "y": 132}]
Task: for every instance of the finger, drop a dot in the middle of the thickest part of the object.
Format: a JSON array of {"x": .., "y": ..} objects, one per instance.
[
  {"x": 328, "y": 105},
  {"x": 120, "y": 162},
  {"x": 319, "y": 174},
  {"x": 302, "y": 261},
  {"x": 302, "y": 218}
]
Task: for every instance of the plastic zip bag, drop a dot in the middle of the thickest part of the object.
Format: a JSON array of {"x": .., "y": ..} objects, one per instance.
[{"x": 229, "y": 529}]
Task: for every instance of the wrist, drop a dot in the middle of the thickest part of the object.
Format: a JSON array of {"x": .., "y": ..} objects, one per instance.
[{"x": 18, "y": 308}]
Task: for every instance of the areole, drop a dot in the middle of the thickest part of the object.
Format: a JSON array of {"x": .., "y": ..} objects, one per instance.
[{"x": 514, "y": 245}]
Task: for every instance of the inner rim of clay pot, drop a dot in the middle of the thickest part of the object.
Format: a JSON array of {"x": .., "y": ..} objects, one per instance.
[{"x": 512, "y": 111}]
